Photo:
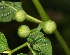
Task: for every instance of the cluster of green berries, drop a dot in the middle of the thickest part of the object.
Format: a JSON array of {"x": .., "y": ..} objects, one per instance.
[{"x": 23, "y": 31}]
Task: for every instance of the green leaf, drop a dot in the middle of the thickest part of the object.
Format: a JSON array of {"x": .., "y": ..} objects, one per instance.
[
  {"x": 43, "y": 47},
  {"x": 35, "y": 35},
  {"x": 8, "y": 9},
  {"x": 21, "y": 54},
  {"x": 3, "y": 43},
  {"x": 40, "y": 44}
]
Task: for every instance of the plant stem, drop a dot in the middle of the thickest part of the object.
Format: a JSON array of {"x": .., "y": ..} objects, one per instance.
[
  {"x": 41, "y": 11},
  {"x": 21, "y": 46},
  {"x": 31, "y": 50},
  {"x": 32, "y": 19},
  {"x": 62, "y": 42},
  {"x": 45, "y": 17}
]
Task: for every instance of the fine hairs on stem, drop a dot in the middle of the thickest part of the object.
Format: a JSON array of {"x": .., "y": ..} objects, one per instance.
[{"x": 45, "y": 17}]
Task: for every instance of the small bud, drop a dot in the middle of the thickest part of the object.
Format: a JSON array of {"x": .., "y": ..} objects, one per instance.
[
  {"x": 23, "y": 31},
  {"x": 49, "y": 27},
  {"x": 20, "y": 15}
]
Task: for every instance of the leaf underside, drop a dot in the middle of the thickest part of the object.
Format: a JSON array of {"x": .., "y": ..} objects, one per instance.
[
  {"x": 8, "y": 9},
  {"x": 3, "y": 43}
]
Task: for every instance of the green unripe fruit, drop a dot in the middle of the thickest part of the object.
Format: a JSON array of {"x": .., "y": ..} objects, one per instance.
[
  {"x": 49, "y": 27},
  {"x": 23, "y": 31},
  {"x": 20, "y": 15}
]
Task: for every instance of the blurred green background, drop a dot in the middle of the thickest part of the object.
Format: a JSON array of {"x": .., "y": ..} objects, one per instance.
[{"x": 58, "y": 10}]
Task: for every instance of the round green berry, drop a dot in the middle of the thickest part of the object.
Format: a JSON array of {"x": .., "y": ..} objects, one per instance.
[
  {"x": 23, "y": 31},
  {"x": 20, "y": 15},
  {"x": 49, "y": 26}
]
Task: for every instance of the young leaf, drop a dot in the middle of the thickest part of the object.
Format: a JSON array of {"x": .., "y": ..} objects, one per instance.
[
  {"x": 21, "y": 54},
  {"x": 40, "y": 44},
  {"x": 3, "y": 43},
  {"x": 8, "y": 9}
]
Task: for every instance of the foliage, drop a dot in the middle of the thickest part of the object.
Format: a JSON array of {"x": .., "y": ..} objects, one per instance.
[
  {"x": 8, "y": 9},
  {"x": 3, "y": 43},
  {"x": 40, "y": 44}
]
